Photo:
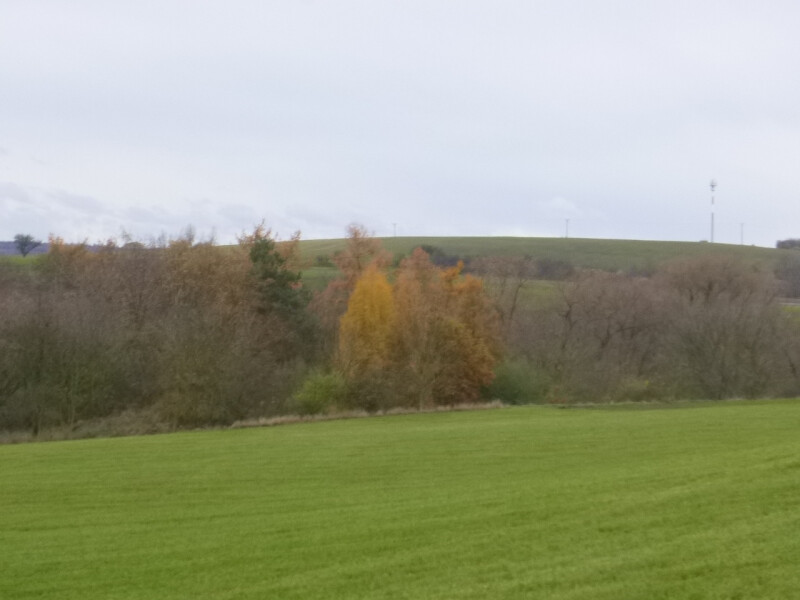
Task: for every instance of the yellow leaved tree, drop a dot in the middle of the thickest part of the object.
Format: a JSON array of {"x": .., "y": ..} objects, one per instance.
[
  {"x": 366, "y": 329},
  {"x": 433, "y": 336}
]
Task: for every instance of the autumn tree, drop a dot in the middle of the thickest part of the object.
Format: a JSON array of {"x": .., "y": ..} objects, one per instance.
[
  {"x": 64, "y": 263},
  {"x": 235, "y": 341},
  {"x": 446, "y": 339},
  {"x": 471, "y": 332},
  {"x": 360, "y": 251},
  {"x": 189, "y": 332},
  {"x": 61, "y": 343},
  {"x": 432, "y": 337},
  {"x": 368, "y": 326}
]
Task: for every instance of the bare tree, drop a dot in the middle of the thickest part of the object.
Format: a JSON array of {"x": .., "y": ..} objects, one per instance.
[
  {"x": 504, "y": 278},
  {"x": 724, "y": 328}
]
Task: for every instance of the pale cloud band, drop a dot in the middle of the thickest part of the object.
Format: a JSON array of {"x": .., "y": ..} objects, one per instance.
[{"x": 470, "y": 118}]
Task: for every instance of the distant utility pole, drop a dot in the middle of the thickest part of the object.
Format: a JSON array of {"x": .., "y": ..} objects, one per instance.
[
  {"x": 395, "y": 229},
  {"x": 713, "y": 187},
  {"x": 741, "y": 233},
  {"x": 566, "y": 230}
]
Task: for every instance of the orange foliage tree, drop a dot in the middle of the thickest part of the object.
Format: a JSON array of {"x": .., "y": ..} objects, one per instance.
[
  {"x": 448, "y": 335},
  {"x": 434, "y": 330}
]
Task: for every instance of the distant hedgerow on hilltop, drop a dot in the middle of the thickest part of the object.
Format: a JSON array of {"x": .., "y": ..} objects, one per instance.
[{"x": 788, "y": 244}]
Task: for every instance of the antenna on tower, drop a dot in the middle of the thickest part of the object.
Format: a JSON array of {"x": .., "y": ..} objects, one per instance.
[{"x": 713, "y": 187}]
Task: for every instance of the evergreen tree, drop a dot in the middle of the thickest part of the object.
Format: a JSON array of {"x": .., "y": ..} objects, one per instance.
[{"x": 280, "y": 294}]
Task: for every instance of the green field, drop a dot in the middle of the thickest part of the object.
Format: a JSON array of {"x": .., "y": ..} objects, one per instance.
[
  {"x": 10, "y": 261},
  {"x": 695, "y": 501},
  {"x": 606, "y": 254},
  {"x": 622, "y": 255},
  {"x": 611, "y": 255}
]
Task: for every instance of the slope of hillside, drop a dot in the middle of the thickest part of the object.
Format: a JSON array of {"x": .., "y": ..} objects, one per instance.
[{"x": 622, "y": 255}]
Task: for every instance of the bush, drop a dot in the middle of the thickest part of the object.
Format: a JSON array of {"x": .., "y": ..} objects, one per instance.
[
  {"x": 635, "y": 389},
  {"x": 319, "y": 393},
  {"x": 554, "y": 269},
  {"x": 440, "y": 258},
  {"x": 788, "y": 244},
  {"x": 323, "y": 260},
  {"x": 378, "y": 390},
  {"x": 518, "y": 382}
]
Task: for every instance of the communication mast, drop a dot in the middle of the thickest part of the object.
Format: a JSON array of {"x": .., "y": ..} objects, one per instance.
[{"x": 713, "y": 187}]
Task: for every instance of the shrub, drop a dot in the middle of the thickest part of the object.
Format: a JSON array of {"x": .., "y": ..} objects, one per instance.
[
  {"x": 788, "y": 244},
  {"x": 377, "y": 390},
  {"x": 323, "y": 260},
  {"x": 637, "y": 389},
  {"x": 319, "y": 393},
  {"x": 554, "y": 269},
  {"x": 440, "y": 258},
  {"x": 518, "y": 382}
]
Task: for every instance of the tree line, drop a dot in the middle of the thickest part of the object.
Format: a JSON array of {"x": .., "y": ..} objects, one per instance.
[
  {"x": 710, "y": 327},
  {"x": 184, "y": 333}
]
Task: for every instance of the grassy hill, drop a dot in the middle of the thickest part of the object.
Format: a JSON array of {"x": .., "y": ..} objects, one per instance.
[
  {"x": 530, "y": 502},
  {"x": 623, "y": 255},
  {"x": 615, "y": 255}
]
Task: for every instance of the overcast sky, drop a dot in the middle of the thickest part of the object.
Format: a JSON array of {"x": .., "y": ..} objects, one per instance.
[{"x": 463, "y": 117}]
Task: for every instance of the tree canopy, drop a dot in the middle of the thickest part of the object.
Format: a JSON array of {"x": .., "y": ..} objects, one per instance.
[{"x": 25, "y": 243}]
